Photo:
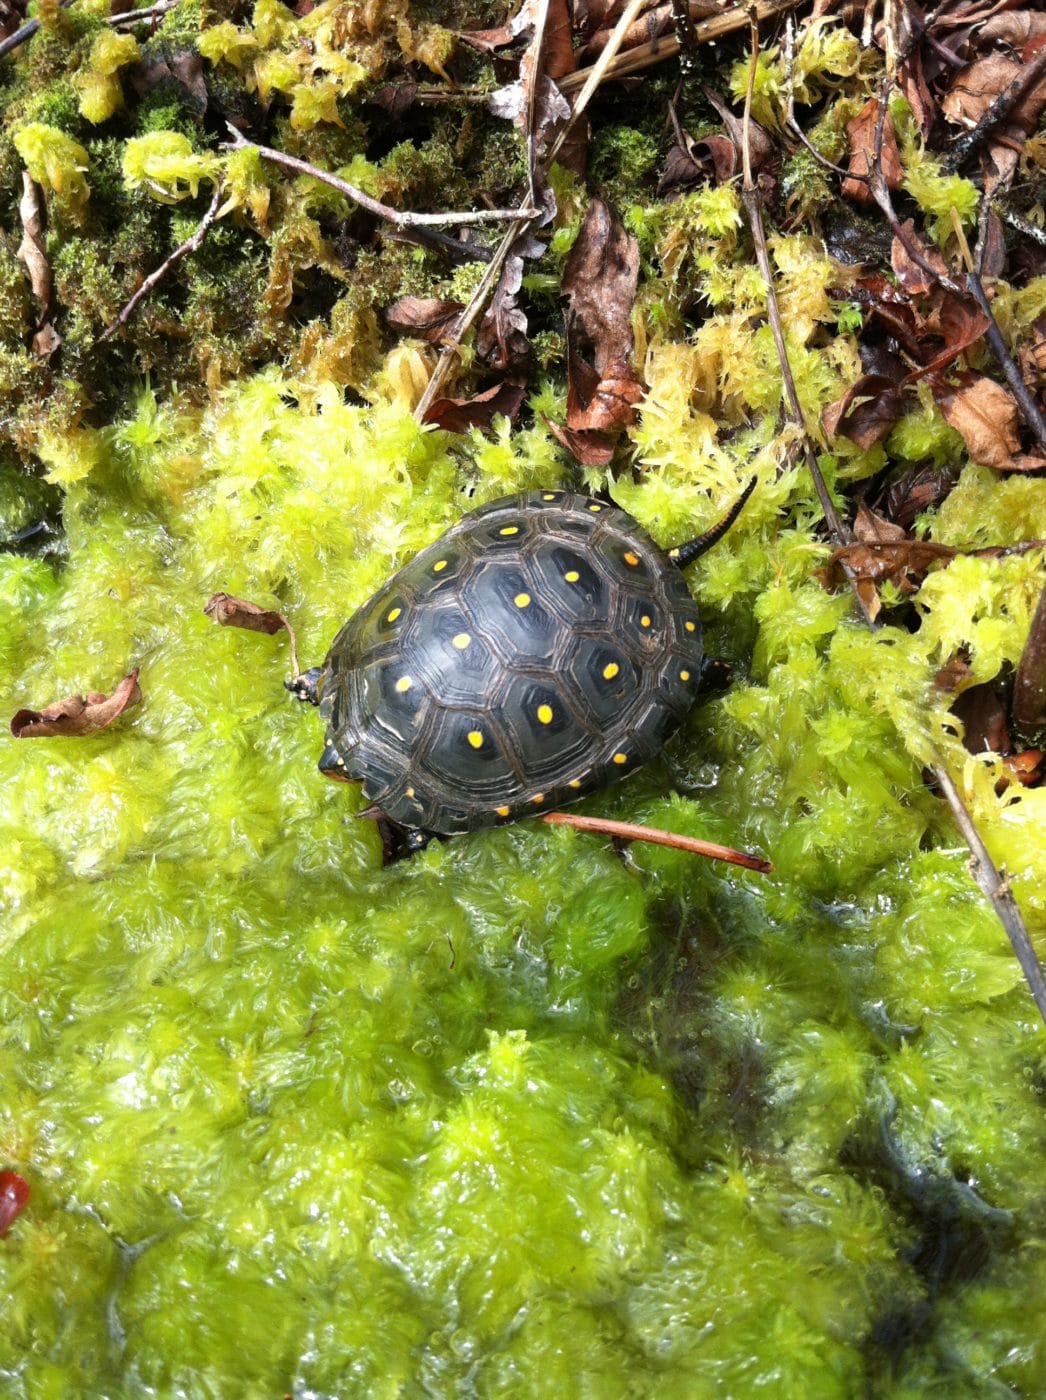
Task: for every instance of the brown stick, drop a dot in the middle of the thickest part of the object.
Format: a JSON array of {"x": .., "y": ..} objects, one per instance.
[
  {"x": 632, "y": 831},
  {"x": 1029, "y": 687},
  {"x": 191, "y": 245},
  {"x": 667, "y": 45},
  {"x": 402, "y": 218},
  {"x": 1030, "y": 410},
  {"x": 1029, "y": 74},
  {"x": 997, "y": 890},
  {"x": 982, "y": 868}
]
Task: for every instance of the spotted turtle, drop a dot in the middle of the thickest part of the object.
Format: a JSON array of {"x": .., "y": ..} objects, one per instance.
[{"x": 543, "y": 647}]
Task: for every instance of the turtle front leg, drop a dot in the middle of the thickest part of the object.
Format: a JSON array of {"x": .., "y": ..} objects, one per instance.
[{"x": 305, "y": 687}]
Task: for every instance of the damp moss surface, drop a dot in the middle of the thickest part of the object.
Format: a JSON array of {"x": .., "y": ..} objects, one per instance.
[
  {"x": 519, "y": 1116},
  {"x": 516, "y": 1116}
]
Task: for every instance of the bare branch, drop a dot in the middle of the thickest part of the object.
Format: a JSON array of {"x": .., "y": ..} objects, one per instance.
[
  {"x": 400, "y": 217},
  {"x": 596, "y": 73},
  {"x": 1030, "y": 410},
  {"x": 1028, "y": 76},
  {"x": 656, "y": 836},
  {"x": 191, "y": 245}
]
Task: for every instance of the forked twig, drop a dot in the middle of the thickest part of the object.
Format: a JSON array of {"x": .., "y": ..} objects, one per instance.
[
  {"x": 597, "y": 72},
  {"x": 1028, "y": 75},
  {"x": 191, "y": 245},
  {"x": 656, "y": 836},
  {"x": 402, "y": 218}
]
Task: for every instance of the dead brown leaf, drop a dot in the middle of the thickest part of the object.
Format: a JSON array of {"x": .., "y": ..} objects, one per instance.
[
  {"x": 985, "y": 414},
  {"x": 861, "y": 140},
  {"x": 591, "y": 449},
  {"x": 77, "y": 715},
  {"x": 228, "y": 611},
  {"x": 976, "y": 87},
  {"x": 913, "y": 278},
  {"x": 501, "y": 340},
  {"x": 459, "y": 415},
  {"x": 429, "y": 318},
  {"x": 867, "y": 412}
]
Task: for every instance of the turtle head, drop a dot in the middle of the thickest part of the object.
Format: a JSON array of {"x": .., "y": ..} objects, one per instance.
[{"x": 306, "y": 685}]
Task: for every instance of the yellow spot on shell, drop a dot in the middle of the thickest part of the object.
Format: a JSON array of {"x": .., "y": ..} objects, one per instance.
[
  {"x": 644, "y": 621},
  {"x": 439, "y": 566},
  {"x": 509, "y": 530},
  {"x": 545, "y": 714},
  {"x": 410, "y": 792},
  {"x": 476, "y": 738},
  {"x": 404, "y": 683},
  {"x": 393, "y": 615},
  {"x": 690, "y": 626},
  {"x": 522, "y": 600},
  {"x": 502, "y": 811},
  {"x": 595, "y": 506},
  {"x": 572, "y": 576},
  {"x": 609, "y": 672},
  {"x": 574, "y": 783},
  {"x": 461, "y": 641},
  {"x": 631, "y": 558},
  {"x": 538, "y": 798},
  {"x": 621, "y": 758},
  {"x": 549, "y": 496},
  {"x": 684, "y": 675}
]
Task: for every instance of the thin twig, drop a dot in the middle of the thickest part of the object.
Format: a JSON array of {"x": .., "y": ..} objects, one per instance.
[
  {"x": 191, "y": 244},
  {"x": 656, "y": 836},
  {"x": 129, "y": 17},
  {"x": 534, "y": 54},
  {"x": 1030, "y": 410},
  {"x": 981, "y": 865},
  {"x": 1029, "y": 685},
  {"x": 400, "y": 217},
  {"x": 1022, "y": 225},
  {"x": 997, "y": 890},
  {"x": 19, "y": 37},
  {"x": 470, "y": 315},
  {"x": 1027, "y": 76},
  {"x": 753, "y": 202},
  {"x": 667, "y": 45},
  {"x": 597, "y": 73}
]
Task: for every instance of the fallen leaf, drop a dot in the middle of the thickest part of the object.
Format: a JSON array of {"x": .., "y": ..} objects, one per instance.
[
  {"x": 977, "y": 86},
  {"x": 1029, "y": 686},
  {"x": 501, "y": 340},
  {"x": 591, "y": 449},
  {"x": 917, "y": 490},
  {"x": 867, "y": 412},
  {"x": 429, "y": 318},
  {"x": 182, "y": 71},
  {"x": 912, "y": 277},
  {"x": 459, "y": 415},
  {"x": 77, "y": 715},
  {"x": 985, "y": 414},
  {"x": 31, "y": 250},
  {"x": 861, "y": 138},
  {"x": 228, "y": 611},
  {"x": 983, "y": 718},
  {"x": 14, "y": 1197}
]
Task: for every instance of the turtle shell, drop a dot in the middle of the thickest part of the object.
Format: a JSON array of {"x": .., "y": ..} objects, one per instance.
[{"x": 543, "y": 647}]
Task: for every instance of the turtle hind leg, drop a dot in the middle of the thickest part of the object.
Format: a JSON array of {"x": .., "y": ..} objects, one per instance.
[{"x": 397, "y": 842}]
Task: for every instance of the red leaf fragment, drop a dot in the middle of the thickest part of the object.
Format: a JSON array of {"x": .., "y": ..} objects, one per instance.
[
  {"x": 459, "y": 415},
  {"x": 591, "y": 449},
  {"x": 14, "y": 1197},
  {"x": 861, "y": 138},
  {"x": 77, "y": 715}
]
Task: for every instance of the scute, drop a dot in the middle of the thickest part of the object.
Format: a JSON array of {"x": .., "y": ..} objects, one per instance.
[{"x": 541, "y": 648}]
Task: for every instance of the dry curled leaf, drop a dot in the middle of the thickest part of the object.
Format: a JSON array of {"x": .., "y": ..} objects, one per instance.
[
  {"x": 591, "y": 449},
  {"x": 429, "y": 318},
  {"x": 980, "y": 84},
  {"x": 867, "y": 412},
  {"x": 861, "y": 135},
  {"x": 459, "y": 415},
  {"x": 986, "y": 415},
  {"x": 502, "y": 336},
  {"x": 77, "y": 715},
  {"x": 228, "y": 611}
]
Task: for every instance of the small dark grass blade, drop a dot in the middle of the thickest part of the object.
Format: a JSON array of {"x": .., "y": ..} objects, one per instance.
[
  {"x": 632, "y": 831},
  {"x": 685, "y": 554}
]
